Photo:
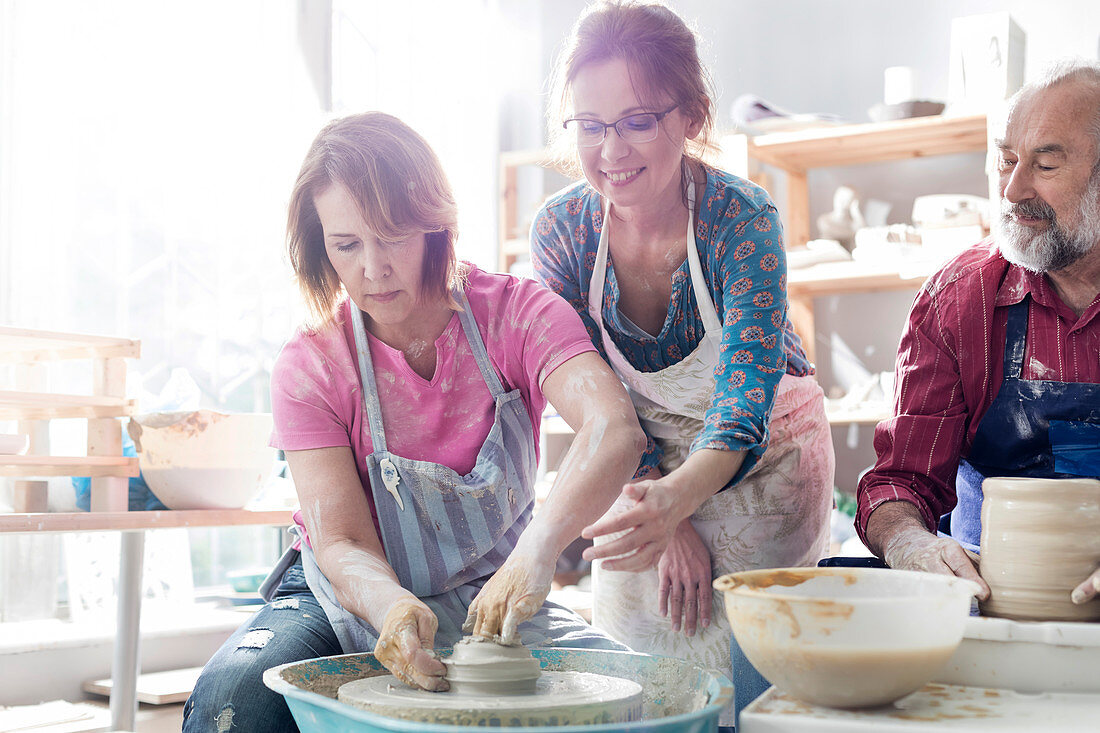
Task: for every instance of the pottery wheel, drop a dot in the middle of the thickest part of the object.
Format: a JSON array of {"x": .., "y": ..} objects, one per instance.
[
  {"x": 560, "y": 698},
  {"x": 494, "y": 684}
]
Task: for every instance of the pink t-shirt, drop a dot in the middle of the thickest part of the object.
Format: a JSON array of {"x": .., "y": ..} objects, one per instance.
[{"x": 316, "y": 396}]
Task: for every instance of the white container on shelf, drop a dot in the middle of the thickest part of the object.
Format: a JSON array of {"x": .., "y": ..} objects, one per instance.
[{"x": 204, "y": 459}]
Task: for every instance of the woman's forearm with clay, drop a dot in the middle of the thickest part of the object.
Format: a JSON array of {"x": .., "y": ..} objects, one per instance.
[
  {"x": 603, "y": 454},
  {"x": 350, "y": 555}
]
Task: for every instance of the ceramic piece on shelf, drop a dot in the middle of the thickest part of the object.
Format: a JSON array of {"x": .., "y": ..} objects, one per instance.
[
  {"x": 204, "y": 459},
  {"x": 1039, "y": 541},
  {"x": 845, "y": 219},
  {"x": 905, "y": 110}
]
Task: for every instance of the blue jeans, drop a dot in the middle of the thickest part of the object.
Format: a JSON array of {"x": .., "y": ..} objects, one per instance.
[
  {"x": 230, "y": 693},
  {"x": 748, "y": 684}
]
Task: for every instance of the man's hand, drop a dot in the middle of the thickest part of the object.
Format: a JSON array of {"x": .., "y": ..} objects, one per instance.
[
  {"x": 683, "y": 580},
  {"x": 1087, "y": 590},
  {"x": 405, "y": 645},
  {"x": 514, "y": 594},
  {"x": 897, "y": 534}
]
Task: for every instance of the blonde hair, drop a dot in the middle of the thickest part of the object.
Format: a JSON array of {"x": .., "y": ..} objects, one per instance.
[
  {"x": 399, "y": 184},
  {"x": 661, "y": 54}
]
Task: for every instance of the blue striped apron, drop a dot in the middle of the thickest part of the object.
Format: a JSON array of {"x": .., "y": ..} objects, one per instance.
[
  {"x": 444, "y": 534},
  {"x": 1034, "y": 427}
]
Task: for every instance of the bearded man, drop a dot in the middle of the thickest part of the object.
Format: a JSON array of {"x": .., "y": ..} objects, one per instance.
[{"x": 998, "y": 372}]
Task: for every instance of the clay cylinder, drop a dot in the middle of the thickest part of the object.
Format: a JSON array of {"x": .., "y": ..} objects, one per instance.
[{"x": 1040, "y": 539}]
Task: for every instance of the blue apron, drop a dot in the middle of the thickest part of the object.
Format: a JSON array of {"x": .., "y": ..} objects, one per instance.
[
  {"x": 444, "y": 534},
  {"x": 1034, "y": 427}
]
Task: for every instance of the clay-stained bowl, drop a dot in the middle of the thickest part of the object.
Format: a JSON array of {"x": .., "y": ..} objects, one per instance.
[
  {"x": 204, "y": 459},
  {"x": 1040, "y": 539},
  {"x": 847, "y": 637}
]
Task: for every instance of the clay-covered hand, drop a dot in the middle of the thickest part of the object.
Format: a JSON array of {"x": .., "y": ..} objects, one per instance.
[
  {"x": 914, "y": 548},
  {"x": 514, "y": 594},
  {"x": 1087, "y": 590},
  {"x": 647, "y": 526},
  {"x": 405, "y": 645},
  {"x": 683, "y": 580}
]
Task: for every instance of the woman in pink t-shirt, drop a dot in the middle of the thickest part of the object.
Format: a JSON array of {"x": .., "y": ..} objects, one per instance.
[{"x": 409, "y": 416}]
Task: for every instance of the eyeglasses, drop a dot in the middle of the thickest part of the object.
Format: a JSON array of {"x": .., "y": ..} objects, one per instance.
[{"x": 636, "y": 128}]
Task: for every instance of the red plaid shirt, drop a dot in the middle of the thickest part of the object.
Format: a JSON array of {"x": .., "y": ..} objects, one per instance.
[{"x": 950, "y": 366}]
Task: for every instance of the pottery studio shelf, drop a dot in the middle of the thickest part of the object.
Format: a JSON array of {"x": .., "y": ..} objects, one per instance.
[
  {"x": 28, "y": 354},
  {"x": 796, "y": 153},
  {"x": 104, "y": 521}
]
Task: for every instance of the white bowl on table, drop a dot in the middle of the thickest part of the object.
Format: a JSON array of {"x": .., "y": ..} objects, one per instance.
[
  {"x": 847, "y": 637},
  {"x": 204, "y": 459}
]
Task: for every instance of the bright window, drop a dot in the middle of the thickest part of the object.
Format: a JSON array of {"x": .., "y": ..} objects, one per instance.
[{"x": 147, "y": 152}]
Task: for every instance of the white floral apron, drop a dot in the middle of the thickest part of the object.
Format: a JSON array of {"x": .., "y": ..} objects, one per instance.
[{"x": 777, "y": 516}]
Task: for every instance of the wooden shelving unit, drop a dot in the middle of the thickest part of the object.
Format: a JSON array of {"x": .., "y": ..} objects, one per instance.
[
  {"x": 795, "y": 153},
  {"x": 126, "y": 521},
  {"x": 513, "y": 243},
  {"x": 31, "y": 351}
]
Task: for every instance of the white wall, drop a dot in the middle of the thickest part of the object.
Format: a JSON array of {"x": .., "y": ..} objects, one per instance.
[{"x": 828, "y": 56}]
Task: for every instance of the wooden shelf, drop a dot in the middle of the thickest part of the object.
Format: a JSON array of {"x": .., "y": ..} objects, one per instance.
[
  {"x": 864, "y": 416},
  {"x": 514, "y": 248},
  {"x": 32, "y": 352},
  {"x": 511, "y": 243},
  {"x": 795, "y": 153},
  {"x": 104, "y": 521},
  {"x": 155, "y": 688},
  {"x": 25, "y": 345},
  {"x": 93, "y": 466},
  {"x": 832, "y": 278},
  {"x": 870, "y": 143},
  {"x": 16, "y": 405}
]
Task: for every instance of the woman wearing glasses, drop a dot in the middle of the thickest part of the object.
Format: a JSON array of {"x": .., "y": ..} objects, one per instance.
[
  {"x": 409, "y": 415},
  {"x": 678, "y": 271}
]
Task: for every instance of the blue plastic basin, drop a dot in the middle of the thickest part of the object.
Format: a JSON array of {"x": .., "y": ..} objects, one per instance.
[{"x": 678, "y": 697}]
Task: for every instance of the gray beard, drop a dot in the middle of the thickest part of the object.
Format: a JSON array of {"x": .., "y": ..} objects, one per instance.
[{"x": 1056, "y": 248}]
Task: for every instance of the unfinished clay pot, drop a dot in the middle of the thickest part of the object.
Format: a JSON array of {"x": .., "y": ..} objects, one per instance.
[{"x": 1039, "y": 541}]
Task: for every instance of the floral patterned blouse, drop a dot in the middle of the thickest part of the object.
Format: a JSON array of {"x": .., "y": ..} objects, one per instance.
[{"x": 740, "y": 243}]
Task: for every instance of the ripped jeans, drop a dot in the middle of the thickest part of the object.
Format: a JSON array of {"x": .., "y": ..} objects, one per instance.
[{"x": 230, "y": 694}]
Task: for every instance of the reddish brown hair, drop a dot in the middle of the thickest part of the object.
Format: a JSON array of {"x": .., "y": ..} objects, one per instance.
[
  {"x": 396, "y": 178},
  {"x": 660, "y": 51}
]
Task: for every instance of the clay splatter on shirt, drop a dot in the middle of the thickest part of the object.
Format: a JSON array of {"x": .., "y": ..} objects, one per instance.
[{"x": 1041, "y": 370}]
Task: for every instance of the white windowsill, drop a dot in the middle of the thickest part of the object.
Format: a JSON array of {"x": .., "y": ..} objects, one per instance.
[{"x": 30, "y": 636}]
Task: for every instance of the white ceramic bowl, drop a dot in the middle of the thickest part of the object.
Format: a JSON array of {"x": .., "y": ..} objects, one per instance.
[
  {"x": 847, "y": 637},
  {"x": 204, "y": 459}
]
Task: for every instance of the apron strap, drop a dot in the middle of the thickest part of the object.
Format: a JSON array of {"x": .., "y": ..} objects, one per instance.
[
  {"x": 707, "y": 312},
  {"x": 477, "y": 344},
  {"x": 599, "y": 274},
  {"x": 366, "y": 374},
  {"x": 1015, "y": 338},
  {"x": 366, "y": 367}
]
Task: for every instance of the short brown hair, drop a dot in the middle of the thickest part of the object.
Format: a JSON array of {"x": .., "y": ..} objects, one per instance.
[
  {"x": 396, "y": 178},
  {"x": 661, "y": 54}
]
